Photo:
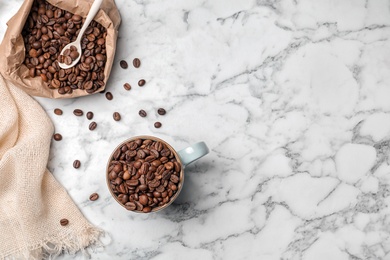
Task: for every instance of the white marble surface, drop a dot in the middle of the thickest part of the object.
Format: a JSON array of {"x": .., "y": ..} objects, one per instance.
[{"x": 292, "y": 97}]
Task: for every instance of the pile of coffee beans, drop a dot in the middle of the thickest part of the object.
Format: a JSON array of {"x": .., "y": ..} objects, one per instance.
[
  {"x": 144, "y": 174},
  {"x": 46, "y": 32}
]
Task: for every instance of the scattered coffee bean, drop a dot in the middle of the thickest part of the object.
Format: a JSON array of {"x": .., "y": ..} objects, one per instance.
[
  {"x": 116, "y": 116},
  {"x": 76, "y": 164},
  {"x": 142, "y": 113},
  {"x": 144, "y": 175},
  {"x": 58, "y": 111},
  {"x": 46, "y": 32},
  {"x": 123, "y": 64},
  {"x": 92, "y": 126},
  {"x": 141, "y": 82},
  {"x": 78, "y": 112},
  {"x": 89, "y": 115},
  {"x": 64, "y": 222},
  {"x": 94, "y": 196},
  {"x": 57, "y": 137},
  {"x": 127, "y": 86},
  {"x": 136, "y": 63},
  {"x": 161, "y": 111},
  {"x": 157, "y": 125},
  {"x": 109, "y": 96}
]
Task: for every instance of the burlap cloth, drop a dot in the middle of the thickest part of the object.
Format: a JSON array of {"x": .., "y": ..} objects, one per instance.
[{"x": 32, "y": 202}]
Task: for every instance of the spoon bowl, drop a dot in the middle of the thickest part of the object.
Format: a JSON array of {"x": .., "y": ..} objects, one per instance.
[{"x": 91, "y": 14}]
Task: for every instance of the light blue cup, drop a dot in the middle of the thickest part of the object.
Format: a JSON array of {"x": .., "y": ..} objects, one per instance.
[{"x": 184, "y": 157}]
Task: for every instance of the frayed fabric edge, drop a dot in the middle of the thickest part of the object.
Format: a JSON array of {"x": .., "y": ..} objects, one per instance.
[{"x": 84, "y": 241}]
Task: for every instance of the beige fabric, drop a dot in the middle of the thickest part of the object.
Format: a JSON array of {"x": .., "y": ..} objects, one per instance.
[{"x": 32, "y": 202}]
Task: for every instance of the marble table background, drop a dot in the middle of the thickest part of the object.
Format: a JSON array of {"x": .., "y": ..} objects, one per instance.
[{"x": 292, "y": 98}]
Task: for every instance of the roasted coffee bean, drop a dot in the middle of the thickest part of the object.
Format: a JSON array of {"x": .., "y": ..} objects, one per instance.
[
  {"x": 177, "y": 167},
  {"x": 76, "y": 164},
  {"x": 157, "y": 124},
  {"x": 143, "y": 199},
  {"x": 58, "y": 111},
  {"x": 136, "y": 63},
  {"x": 94, "y": 196},
  {"x": 174, "y": 178},
  {"x": 141, "y": 82},
  {"x": 89, "y": 115},
  {"x": 142, "y": 113},
  {"x": 123, "y": 64},
  {"x": 109, "y": 96},
  {"x": 64, "y": 222},
  {"x": 92, "y": 126},
  {"x": 78, "y": 112},
  {"x": 127, "y": 86},
  {"x": 161, "y": 111},
  {"x": 57, "y": 137},
  {"x": 116, "y": 116},
  {"x": 130, "y": 206},
  {"x": 47, "y": 30}
]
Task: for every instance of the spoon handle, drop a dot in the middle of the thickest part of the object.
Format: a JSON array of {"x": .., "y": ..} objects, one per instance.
[{"x": 91, "y": 14}]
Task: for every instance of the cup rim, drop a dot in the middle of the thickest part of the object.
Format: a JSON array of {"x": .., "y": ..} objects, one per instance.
[{"x": 154, "y": 138}]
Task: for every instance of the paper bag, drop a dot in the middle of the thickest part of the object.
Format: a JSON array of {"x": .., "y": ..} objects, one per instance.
[{"x": 12, "y": 48}]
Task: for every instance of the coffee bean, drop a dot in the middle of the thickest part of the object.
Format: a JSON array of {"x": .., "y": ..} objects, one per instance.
[
  {"x": 76, "y": 164},
  {"x": 127, "y": 86},
  {"x": 143, "y": 199},
  {"x": 142, "y": 113},
  {"x": 58, "y": 111},
  {"x": 78, "y": 112},
  {"x": 157, "y": 124},
  {"x": 136, "y": 63},
  {"x": 64, "y": 222},
  {"x": 109, "y": 96},
  {"x": 141, "y": 82},
  {"x": 92, "y": 126},
  {"x": 57, "y": 137},
  {"x": 94, "y": 196},
  {"x": 161, "y": 111},
  {"x": 116, "y": 116},
  {"x": 123, "y": 64},
  {"x": 89, "y": 115},
  {"x": 130, "y": 206}
]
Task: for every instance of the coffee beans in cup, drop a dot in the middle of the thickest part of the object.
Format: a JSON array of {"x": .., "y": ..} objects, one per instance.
[
  {"x": 46, "y": 32},
  {"x": 144, "y": 174}
]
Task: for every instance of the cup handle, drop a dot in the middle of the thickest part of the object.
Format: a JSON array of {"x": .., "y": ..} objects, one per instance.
[{"x": 193, "y": 153}]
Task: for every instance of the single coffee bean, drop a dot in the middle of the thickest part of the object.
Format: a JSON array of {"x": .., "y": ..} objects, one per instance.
[
  {"x": 64, "y": 222},
  {"x": 130, "y": 206},
  {"x": 116, "y": 116},
  {"x": 143, "y": 199},
  {"x": 109, "y": 96},
  {"x": 161, "y": 111},
  {"x": 141, "y": 82},
  {"x": 127, "y": 86},
  {"x": 142, "y": 113},
  {"x": 94, "y": 196},
  {"x": 57, "y": 137},
  {"x": 123, "y": 64},
  {"x": 136, "y": 63},
  {"x": 78, "y": 112},
  {"x": 92, "y": 126},
  {"x": 157, "y": 124},
  {"x": 58, "y": 111},
  {"x": 89, "y": 115},
  {"x": 76, "y": 164}
]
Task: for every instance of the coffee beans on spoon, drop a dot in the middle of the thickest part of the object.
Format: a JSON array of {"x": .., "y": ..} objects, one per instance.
[{"x": 144, "y": 174}]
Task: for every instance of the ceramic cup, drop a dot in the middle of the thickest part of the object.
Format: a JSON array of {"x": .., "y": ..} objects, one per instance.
[{"x": 183, "y": 157}]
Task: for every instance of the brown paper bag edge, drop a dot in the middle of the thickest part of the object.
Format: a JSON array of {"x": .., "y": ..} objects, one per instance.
[{"x": 12, "y": 46}]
